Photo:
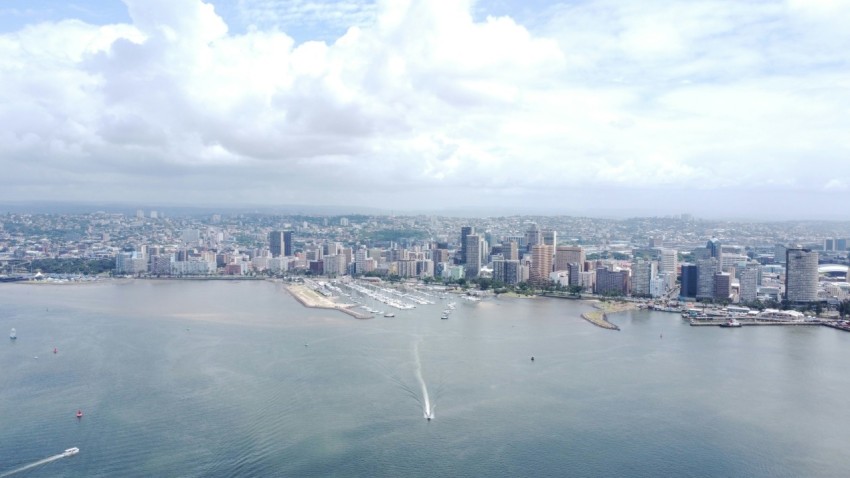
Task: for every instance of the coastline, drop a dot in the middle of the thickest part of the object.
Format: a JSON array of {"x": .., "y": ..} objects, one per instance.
[{"x": 309, "y": 298}]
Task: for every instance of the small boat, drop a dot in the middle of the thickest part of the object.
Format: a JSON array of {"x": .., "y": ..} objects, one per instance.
[
  {"x": 13, "y": 335},
  {"x": 55, "y": 350},
  {"x": 79, "y": 414},
  {"x": 71, "y": 451},
  {"x": 389, "y": 314},
  {"x": 731, "y": 323},
  {"x": 445, "y": 316}
]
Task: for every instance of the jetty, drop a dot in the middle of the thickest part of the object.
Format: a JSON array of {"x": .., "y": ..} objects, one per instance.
[
  {"x": 312, "y": 299},
  {"x": 599, "y": 317}
]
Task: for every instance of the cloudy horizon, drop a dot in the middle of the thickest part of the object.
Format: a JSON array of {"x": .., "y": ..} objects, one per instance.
[{"x": 716, "y": 108}]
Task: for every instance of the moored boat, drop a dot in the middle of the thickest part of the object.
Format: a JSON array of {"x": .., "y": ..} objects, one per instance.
[
  {"x": 731, "y": 323},
  {"x": 13, "y": 335}
]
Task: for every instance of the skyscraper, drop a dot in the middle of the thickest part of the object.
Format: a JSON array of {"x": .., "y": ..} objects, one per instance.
[
  {"x": 801, "y": 275},
  {"x": 689, "y": 281},
  {"x": 550, "y": 237},
  {"x": 541, "y": 264},
  {"x": 643, "y": 272},
  {"x": 287, "y": 243},
  {"x": 748, "y": 290},
  {"x": 533, "y": 236},
  {"x": 706, "y": 268},
  {"x": 472, "y": 255},
  {"x": 510, "y": 250},
  {"x": 276, "y": 243},
  {"x": 464, "y": 232}
]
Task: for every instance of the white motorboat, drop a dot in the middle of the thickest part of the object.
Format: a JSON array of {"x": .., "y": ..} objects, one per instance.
[{"x": 71, "y": 451}]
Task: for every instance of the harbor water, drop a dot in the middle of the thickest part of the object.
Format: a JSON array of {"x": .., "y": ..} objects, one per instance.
[{"x": 236, "y": 378}]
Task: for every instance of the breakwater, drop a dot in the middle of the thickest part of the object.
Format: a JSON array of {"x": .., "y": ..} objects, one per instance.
[
  {"x": 599, "y": 319},
  {"x": 310, "y": 298}
]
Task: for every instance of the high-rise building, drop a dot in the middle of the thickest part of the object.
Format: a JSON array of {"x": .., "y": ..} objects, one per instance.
[
  {"x": 669, "y": 261},
  {"x": 533, "y": 236},
  {"x": 510, "y": 250},
  {"x": 610, "y": 282},
  {"x": 541, "y": 264},
  {"x": 550, "y": 237},
  {"x": 714, "y": 248},
  {"x": 472, "y": 255},
  {"x": 779, "y": 252},
  {"x": 566, "y": 255},
  {"x": 689, "y": 281},
  {"x": 464, "y": 232},
  {"x": 643, "y": 272},
  {"x": 801, "y": 275},
  {"x": 722, "y": 286},
  {"x": 276, "y": 243},
  {"x": 829, "y": 244},
  {"x": 748, "y": 288},
  {"x": 706, "y": 268},
  {"x": 287, "y": 243},
  {"x": 841, "y": 244},
  {"x": 574, "y": 271}
]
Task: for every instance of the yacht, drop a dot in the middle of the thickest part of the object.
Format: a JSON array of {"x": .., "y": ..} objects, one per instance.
[
  {"x": 731, "y": 323},
  {"x": 71, "y": 451},
  {"x": 13, "y": 335}
]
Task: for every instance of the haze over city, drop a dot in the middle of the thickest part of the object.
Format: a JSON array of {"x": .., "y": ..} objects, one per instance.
[{"x": 716, "y": 108}]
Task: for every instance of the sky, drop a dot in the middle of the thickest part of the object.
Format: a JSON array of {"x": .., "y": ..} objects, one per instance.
[{"x": 718, "y": 108}]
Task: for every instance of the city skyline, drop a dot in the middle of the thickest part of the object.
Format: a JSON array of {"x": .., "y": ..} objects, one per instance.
[{"x": 714, "y": 108}]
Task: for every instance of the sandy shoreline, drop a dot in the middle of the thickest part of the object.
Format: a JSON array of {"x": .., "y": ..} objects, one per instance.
[{"x": 312, "y": 299}]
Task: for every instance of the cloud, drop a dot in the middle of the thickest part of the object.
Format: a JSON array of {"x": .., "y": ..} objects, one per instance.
[{"x": 425, "y": 99}]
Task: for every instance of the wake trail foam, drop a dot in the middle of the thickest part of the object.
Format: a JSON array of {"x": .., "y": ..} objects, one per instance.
[
  {"x": 429, "y": 413},
  {"x": 32, "y": 465}
]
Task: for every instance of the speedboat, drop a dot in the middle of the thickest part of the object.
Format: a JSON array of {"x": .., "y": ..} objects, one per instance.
[{"x": 71, "y": 451}]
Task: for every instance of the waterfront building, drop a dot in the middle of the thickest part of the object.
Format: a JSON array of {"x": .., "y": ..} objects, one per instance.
[
  {"x": 706, "y": 268},
  {"x": 610, "y": 282},
  {"x": 587, "y": 280},
  {"x": 541, "y": 264},
  {"x": 689, "y": 281},
  {"x": 464, "y": 232},
  {"x": 748, "y": 288},
  {"x": 643, "y": 272},
  {"x": 801, "y": 275},
  {"x": 722, "y": 286},
  {"x": 565, "y": 255},
  {"x": 472, "y": 258},
  {"x": 573, "y": 270}
]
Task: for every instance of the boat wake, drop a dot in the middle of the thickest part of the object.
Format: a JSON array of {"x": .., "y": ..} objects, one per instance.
[
  {"x": 427, "y": 408},
  {"x": 33, "y": 465}
]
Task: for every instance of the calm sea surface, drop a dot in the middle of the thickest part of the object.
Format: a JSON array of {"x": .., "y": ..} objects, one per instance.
[{"x": 209, "y": 379}]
